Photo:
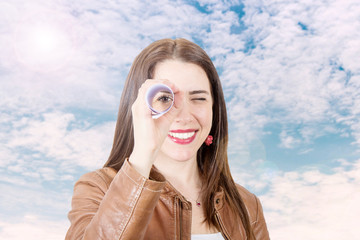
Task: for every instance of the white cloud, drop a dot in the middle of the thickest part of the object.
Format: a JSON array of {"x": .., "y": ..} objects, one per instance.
[
  {"x": 297, "y": 72},
  {"x": 29, "y": 195},
  {"x": 33, "y": 227},
  {"x": 287, "y": 141},
  {"x": 61, "y": 138},
  {"x": 314, "y": 205}
]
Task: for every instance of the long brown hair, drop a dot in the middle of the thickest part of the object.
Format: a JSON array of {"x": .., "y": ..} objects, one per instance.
[{"x": 212, "y": 160}]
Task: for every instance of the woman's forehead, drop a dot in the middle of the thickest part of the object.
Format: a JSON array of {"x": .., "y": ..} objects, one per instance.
[{"x": 186, "y": 76}]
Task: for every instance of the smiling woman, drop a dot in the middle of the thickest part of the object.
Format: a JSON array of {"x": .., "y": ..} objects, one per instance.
[
  {"x": 169, "y": 177},
  {"x": 44, "y": 41}
]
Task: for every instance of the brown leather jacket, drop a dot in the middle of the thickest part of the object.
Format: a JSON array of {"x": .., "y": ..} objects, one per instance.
[{"x": 125, "y": 205}]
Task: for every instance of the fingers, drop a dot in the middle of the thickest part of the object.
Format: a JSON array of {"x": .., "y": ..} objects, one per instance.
[
  {"x": 139, "y": 107},
  {"x": 178, "y": 100}
]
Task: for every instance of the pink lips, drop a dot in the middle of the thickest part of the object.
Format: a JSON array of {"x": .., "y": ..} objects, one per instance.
[{"x": 181, "y": 140}]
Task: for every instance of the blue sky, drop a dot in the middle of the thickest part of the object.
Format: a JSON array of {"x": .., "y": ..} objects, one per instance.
[{"x": 291, "y": 79}]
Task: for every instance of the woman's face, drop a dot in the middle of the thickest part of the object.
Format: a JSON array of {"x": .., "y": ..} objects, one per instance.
[{"x": 193, "y": 123}]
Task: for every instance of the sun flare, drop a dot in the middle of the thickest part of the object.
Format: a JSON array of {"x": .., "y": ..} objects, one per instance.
[{"x": 44, "y": 41}]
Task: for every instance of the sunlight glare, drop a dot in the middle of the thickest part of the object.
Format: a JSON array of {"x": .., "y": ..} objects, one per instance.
[{"x": 44, "y": 42}]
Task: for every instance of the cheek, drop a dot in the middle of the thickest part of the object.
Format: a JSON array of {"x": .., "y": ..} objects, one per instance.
[{"x": 204, "y": 117}]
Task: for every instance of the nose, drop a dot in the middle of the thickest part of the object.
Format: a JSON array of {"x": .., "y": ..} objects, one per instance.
[{"x": 185, "y": 115}]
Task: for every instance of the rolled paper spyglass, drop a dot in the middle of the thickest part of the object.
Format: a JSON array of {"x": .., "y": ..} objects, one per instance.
[{"x": 160, "y": 99}]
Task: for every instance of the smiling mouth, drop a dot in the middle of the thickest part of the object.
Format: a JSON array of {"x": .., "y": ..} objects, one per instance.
[{"x": 182, "y": 136}]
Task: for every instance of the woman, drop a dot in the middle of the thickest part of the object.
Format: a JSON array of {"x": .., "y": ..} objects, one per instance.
[{"x": 168, "y": 178}]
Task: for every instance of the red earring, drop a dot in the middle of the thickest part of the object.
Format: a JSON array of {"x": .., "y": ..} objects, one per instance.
[{"x": 209, "y": 140}]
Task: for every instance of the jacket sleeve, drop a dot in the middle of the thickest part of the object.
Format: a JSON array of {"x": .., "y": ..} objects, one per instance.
[
  {"x": 121, "y": 209},
  {"x": 259, "y": 226}
]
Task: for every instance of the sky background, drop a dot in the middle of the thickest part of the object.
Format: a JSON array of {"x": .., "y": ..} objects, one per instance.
[{"x": 291, "y": 76}]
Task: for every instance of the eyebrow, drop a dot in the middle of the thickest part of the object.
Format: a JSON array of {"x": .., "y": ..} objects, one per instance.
[{"x": 198, "y": 92}]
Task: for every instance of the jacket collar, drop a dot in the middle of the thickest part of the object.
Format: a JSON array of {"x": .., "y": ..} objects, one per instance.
[{"x": 173, "y": 192}]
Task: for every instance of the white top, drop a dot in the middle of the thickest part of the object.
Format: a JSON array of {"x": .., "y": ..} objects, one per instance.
[{"x": 212, "y": 236}]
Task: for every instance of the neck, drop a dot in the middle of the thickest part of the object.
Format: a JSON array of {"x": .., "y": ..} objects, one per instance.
[{"x": 182, "y": 175}]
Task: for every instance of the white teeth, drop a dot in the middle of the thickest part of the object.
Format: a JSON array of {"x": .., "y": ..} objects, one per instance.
[{"x": 182, "y": 135}]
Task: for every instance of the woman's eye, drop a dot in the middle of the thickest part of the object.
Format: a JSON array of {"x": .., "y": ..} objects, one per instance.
[
  {"x": 164, "y": 99},
  {"x": 199, "y": 99}
]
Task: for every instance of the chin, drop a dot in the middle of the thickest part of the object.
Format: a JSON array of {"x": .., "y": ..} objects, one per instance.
[
  {"x": 180, "y": 156},
  {"x": 178, "y": 152}
]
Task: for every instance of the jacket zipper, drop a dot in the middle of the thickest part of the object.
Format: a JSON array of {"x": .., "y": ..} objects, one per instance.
[
  {"x": 180, "y": 217},
  {"x": 218, "y": 218}
]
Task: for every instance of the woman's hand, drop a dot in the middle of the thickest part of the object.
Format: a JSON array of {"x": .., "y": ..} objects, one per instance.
[{"x": 149, "y": 133}]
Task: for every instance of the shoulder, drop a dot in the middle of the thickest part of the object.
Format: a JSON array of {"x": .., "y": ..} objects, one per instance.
[
  {"x": 251, "y": 202},
  {"x": 255, "y": 212},
  {"x": 245, "y": 194}
]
